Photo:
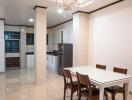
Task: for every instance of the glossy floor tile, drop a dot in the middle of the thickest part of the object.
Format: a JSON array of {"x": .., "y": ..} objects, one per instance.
[{"x": 19, "y": 85}]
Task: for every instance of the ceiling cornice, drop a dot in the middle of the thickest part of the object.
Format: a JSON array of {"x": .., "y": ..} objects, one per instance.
[
  {"x": 2, "y": 19},
  {"x": 60, "y": 23},
  {"x": 39, "y": 7},
  {"x": 19, "y": 25},
  {"x": 80, "y": 12}
]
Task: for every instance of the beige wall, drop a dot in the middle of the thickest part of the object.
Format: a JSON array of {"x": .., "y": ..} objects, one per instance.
[
  {"x": 111, "y": 36},
  {"x": 80, "y": 39},
  {"x": 12, "y": 28}
]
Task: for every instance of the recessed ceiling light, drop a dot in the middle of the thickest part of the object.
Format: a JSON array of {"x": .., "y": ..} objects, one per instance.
[
  {"x": 31, "y": 20},
  {"x": 60, "y": 11}
]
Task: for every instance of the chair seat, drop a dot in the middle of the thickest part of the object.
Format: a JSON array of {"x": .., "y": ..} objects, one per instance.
[
  {"x": 95, "y": 91},
  {"x": 75, "y": 84},
  {"x": 114, "y": 88}
]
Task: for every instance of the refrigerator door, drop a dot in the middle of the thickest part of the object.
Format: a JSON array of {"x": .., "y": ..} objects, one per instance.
[{"x": 65, "y": 57}]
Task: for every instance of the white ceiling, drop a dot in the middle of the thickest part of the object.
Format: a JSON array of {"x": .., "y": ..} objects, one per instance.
[{"x": 17, "y": 12}]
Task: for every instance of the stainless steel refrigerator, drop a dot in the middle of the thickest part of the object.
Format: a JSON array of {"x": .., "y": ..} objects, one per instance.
[{"x": 65, "y": 56}]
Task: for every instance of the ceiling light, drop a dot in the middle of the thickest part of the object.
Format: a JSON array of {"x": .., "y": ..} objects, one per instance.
[
  {"x": 69, "y": 6},
  {"x": 66, "y": 5},
  {"x": 31, "y": 20},
  {"x": 60, "y": 11}
]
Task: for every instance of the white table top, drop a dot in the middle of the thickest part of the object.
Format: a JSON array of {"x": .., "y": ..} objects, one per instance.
[{"x": 99, "y": 75}]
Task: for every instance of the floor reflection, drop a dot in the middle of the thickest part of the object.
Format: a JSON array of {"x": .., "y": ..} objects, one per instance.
[{"x": 19, "y": 85}]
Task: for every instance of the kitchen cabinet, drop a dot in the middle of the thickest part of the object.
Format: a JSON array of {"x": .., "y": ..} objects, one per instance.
[
  {"x": 12, "y": 62},
  {"x": 52, "y": 62},
  {"x": 30, "y": 60}
]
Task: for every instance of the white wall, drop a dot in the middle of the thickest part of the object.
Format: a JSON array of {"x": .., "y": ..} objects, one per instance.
[
  {"x": 111, "y": 36},
  {"x": 2, "y": 47},
  {"x": 54, "y": 35},
  {"x": 12, "y": 28}
]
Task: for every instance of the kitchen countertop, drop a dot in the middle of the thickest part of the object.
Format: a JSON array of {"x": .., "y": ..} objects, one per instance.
[
  {"x": 51, "y": 53},
  {"x": 29, "y": 53}
]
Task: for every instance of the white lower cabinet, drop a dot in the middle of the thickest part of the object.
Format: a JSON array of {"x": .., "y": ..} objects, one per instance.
[
  {"x": 52, "y": 62},
  {"x": 30, "y": 61}
]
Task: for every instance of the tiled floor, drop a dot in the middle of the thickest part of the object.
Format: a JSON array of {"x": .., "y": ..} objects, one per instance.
[{"x": 19, "y": 85}]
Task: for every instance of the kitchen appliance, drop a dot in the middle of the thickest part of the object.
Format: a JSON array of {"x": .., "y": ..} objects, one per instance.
[{"x": 65, "y": 56}]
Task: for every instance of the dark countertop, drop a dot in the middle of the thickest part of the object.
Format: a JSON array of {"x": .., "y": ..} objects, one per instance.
[
  {"x": 29, "y": 53},
  {"x": 51, "y": 53}
]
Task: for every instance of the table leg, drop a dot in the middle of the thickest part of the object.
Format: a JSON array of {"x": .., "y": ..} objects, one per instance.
[
  {"x": 101, "y": 93},
  {"x": 126, "y": 91}
]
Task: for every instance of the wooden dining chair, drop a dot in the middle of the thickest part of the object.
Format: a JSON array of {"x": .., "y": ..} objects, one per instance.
[
  {"x": 69, "y": 83},
  {"x": 113, "y": 90},
  {"x": 90, "y": 92},
  {"x": 101, "y": 66}
]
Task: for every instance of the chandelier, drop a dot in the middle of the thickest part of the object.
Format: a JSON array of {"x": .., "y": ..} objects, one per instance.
[{"x": 66, "y": 5}]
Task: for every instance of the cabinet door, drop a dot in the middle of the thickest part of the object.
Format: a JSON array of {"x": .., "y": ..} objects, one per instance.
[
  {"x": 52, "y": 63},
  {"x": 12, "y": 62},
  {"x": 30, "y": 61}
]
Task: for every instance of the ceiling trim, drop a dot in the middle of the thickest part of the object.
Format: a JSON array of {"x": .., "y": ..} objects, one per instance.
[
  {"x": 2, "y": 19},
  {"x": 39, "y": 7},
  {"x": 60, "y": 23},
  {"x": 19, "y": 25},
  {"x": 80, "y": 12}
]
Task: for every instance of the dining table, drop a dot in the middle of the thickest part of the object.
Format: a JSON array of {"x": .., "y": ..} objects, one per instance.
[{"x": 102, "y": 78}]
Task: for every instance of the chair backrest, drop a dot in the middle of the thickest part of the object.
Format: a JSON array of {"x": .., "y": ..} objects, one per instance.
[
  {"x": 101, "y": 66},
  {"x": 67, "y": 77},
  {"x": 83, "y": 80},
  {"x": 120, "y": 70}
]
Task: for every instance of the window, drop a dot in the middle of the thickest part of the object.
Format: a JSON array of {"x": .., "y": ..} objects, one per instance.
[
  {"x": 11, "y": 46},
  {"x": 30, "y": 39},
  {"x": 11, "y": 42},
  {"x": 12, "y": 35}
]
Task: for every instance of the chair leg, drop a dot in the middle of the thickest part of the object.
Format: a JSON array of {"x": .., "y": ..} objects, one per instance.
[
  {"x": 123, "y": 95},
  {"x": 64, "y": 93},
  {"x": 79, "y": 95},
  {"x": 113, "y": 96},
  {"x": 106, "y": 96},
  {"x": 71, "y": 94}
]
